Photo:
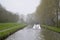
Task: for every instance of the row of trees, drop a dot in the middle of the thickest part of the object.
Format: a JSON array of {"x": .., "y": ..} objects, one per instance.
[
  {"x": 6, "y": 16},
  {"x": 46, "y": 12}
]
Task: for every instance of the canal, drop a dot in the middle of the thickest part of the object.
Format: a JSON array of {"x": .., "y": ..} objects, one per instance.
[{"x": 29, "y": 33}]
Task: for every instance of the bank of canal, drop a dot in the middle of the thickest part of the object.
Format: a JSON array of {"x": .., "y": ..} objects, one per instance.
[{"x": 29, "y": 33}]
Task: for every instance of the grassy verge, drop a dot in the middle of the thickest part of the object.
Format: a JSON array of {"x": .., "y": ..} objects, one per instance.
[
  {"x": 52, "y": 28},
  {"x": 8, "y": 28}
]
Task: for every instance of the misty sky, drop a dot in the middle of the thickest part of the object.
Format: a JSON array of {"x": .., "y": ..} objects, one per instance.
[{"x": 20, "y": 6}]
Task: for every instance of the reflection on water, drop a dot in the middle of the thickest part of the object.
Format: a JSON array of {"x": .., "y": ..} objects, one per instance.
[
  {"x": 26, "y": 34},
  {"x": 50, "y": 35},
  {"x": 29, "y": 33}
]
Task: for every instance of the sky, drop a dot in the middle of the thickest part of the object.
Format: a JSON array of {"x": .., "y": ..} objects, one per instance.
[{"x": 20, "y": 6}]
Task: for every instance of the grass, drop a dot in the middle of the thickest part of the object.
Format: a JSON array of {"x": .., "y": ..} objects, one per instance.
[
  {"x": 9, "y": 28},
  {"x": 52, "y": 28}
]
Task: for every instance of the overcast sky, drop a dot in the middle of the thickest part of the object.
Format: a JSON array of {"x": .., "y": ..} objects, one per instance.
[{"x": 20, "y": 6}]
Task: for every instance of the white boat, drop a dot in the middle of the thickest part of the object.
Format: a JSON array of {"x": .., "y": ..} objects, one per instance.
[{"x": 36, "y": 26}]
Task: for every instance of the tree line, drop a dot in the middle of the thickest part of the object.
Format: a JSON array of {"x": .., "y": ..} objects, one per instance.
[
  {"x": 46, "y": 12},
  {"x": 7, "y": 16}
]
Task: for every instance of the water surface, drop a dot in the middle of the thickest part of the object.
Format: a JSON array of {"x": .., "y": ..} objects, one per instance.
[{"x": 29, "y": 33}]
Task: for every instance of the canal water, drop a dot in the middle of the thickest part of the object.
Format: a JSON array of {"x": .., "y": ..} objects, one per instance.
[{"x": 30, "y": 33}]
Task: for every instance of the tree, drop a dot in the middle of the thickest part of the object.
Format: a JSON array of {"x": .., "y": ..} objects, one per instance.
[
  {"x": 46, "y": 12},
  {"x": 6, "y": 16}
]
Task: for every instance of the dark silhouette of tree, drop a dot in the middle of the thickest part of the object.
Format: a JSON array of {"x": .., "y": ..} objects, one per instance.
[{"x": 6, "y": 16}]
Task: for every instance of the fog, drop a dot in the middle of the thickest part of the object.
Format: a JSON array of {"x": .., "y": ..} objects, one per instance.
[{"x": 21, "y": 6}]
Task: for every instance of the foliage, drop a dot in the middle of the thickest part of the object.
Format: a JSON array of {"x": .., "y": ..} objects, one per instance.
[
  {"x": 46, "y": 12},
  {"x": 6, "y": 16}
]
